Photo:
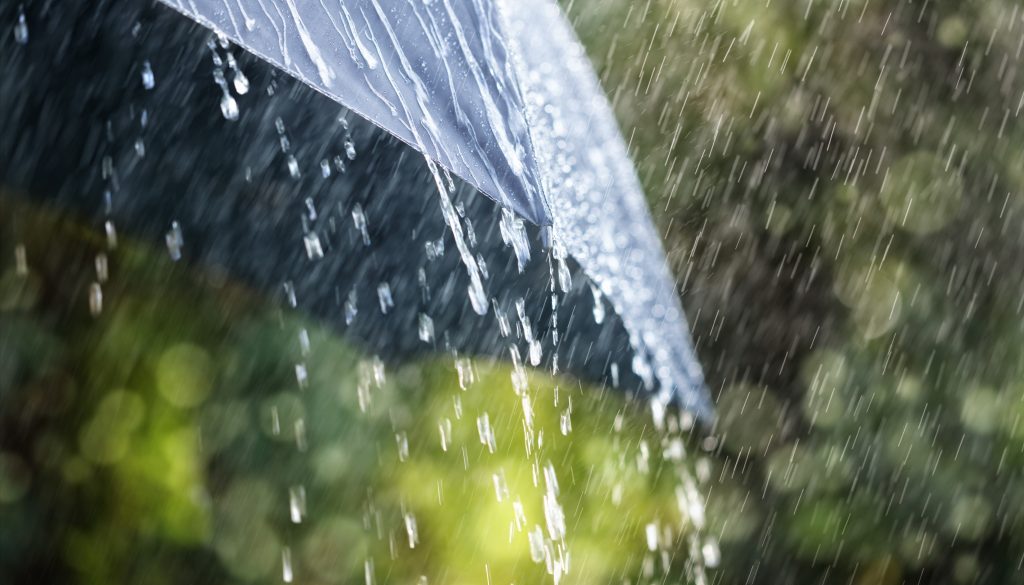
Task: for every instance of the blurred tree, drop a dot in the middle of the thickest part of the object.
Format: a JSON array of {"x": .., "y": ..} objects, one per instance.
[
  {"x": 162, "y": 425},
  {"x": 839, "y": 187}
]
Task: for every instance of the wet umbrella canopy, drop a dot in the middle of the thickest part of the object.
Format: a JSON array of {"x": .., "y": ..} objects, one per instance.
[{"x": 260, "y": 172}]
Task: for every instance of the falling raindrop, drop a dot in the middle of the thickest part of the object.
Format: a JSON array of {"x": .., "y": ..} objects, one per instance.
[
  {"x": 102, "y": 267},
  {"x": 565, "y": 421},
  {"x": 21, "y": 29},
  {"x": 275, "y": 421},
  {"x": 20, "y": 260},
  {"x": 598, "y": 304},
  {"x": 240, "y": 82},
  {"x": 445, "y": 429},
  {"x": 711, "y": 554},
  {"x": 314, "y": 249},
  {"x": 175, "y": 241},
  {"x": 500, "y": 486},
  {"x": 351, "y": 310},
  {"x": 513, "y": 233},
  {"x": 148, "y": 79},
  {"x": 536, "y": 538},
  {"x": 339, "y": 164},
  {"x": 229, "y": 107},
  {"x": 350, "y": 149},
  {"x": 289, "y": 292},
  {"x": 411, "y": 529},
  {"x": 286, "y": 565},
  {"x": 296, "y": 503},
  {"x": 293, "y": 166},
  {"x": 651, "y": 531},
  {"x": 368, "y": 571},
  {"x": 111, "y": 232},
  {"x": 384, "y": 297},
  {"x": 483, "y": 427},
  {"x": 300, "y": 436},
  {"x": 95, "y": 299},
  {"x": 426, "y": 328},
  {"x": 359, "y": 219},
  {"x": 402, "y": 439}
]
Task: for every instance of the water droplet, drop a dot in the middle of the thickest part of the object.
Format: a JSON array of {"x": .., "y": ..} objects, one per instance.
[
  {"x": 95, "y": 299},
  {"x": 599, "y": 312},
  {"x": 536, "y": 352},
  {"x": 711, "y": 553},
  {"x": 351, "y": 310},
  {"x": 536, "y": 537},
  {"x": 651, "y": 531},
  {"x": 241, "y": 82},
  {"x": 21, "y": 29},
  {"x": 464, "y": 369},
  {"x": 513, "y": 233},
  {"x": 296, "y": 503},
  {"x": 302, "y": 375},
  {"x": 275, "y": 421},
  {"x": 102, "y": 267},
  {"x": 402, "y": 440},
  {"x": 384, "y": 297},
  {"x": 359, "y": 219},
  {"x": 314, "y": 249},
  {"x": 477, "y": 297},
  {"x": 148, "y": 79},
  {"x": 229, "y": 107},
  {"x": 293, "y": 167},
  {"x": 350, "y": 149},
  {"x": 483, "y": 427},
  {"x": 289, "y": 292},
  {"x": 21, "y": 260},
  {"x": 368, "y": 571},
  {"x": 325, "y": 168},
  {"x": 339, "y": 164},
  {"x": 500, "y": 486},
  {"x": 564, "y": 276},
  {"x": 411, "y": 530},
  {"x": 111, "y": 232},
  {"x": 300, "y": 435},
  {"x": 445, "y": 428},
  {"x": 286, "y": 565},
  {"x": 426, "y": 328},
  {"x": 434, "y": 249},
  {"x": 175, "y": 241}
]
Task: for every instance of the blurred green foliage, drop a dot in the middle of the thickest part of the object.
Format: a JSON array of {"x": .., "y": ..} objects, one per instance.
[
  {"x": 187, "y": 432},
  {"x": 839, "y": 188}
]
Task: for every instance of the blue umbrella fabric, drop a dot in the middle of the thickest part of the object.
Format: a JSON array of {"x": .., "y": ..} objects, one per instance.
[
  {"x": 436, "y": 74},
  {"x": 260, "y": 176}
]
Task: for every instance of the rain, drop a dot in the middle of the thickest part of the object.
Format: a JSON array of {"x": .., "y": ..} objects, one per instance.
[{"x": 511, "y": 291}]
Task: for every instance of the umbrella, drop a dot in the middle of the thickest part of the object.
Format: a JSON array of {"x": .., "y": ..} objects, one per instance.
[{"x": 311, "y": 183}]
